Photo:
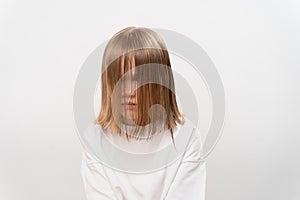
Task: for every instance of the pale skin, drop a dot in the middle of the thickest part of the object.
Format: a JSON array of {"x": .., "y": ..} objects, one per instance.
[{"x": 129, "y": 103}]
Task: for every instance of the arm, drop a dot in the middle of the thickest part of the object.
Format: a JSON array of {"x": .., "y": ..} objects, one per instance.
[
  {"x": 96, "y": 185},
  {"x": 190, "y": 180}
]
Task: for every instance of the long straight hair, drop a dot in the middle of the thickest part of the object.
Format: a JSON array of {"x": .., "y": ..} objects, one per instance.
[{"x": 125, "y": 54}]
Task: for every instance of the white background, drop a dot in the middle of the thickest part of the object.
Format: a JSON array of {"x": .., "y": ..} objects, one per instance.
[{"x": 254, "y": 45}]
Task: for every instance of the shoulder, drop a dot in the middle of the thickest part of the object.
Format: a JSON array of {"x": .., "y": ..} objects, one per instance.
[
  {"x": 91, "y": 133},
  {"x": 90, "y": 139},
  {"x": 191, "y": 131},
  {"x": 193, "y": 149}
]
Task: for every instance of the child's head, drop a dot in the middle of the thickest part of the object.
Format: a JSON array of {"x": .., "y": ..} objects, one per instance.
[{"x": 137, "y": 74}]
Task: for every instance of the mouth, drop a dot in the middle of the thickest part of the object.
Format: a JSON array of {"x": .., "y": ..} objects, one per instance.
[{"x": 129, "y": 104}]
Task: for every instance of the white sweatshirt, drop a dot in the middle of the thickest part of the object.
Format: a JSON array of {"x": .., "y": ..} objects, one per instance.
[{"x": 183, "y": 179}]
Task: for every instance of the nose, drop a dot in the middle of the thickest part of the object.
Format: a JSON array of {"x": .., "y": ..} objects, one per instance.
[
  {"x": 126, "y": 96},
  {"x": 128, "y": 87}
]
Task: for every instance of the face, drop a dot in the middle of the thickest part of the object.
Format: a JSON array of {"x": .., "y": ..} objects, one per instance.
[{"x": 129, "y": 102}]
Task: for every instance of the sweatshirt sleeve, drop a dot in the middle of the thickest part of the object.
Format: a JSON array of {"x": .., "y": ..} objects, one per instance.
[
  {"x": 96, "y": 185},
  {"x": 190, "y": 180}
]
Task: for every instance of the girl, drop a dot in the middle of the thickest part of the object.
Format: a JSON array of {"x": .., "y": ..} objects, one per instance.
[{"x": 139, "y": 115}]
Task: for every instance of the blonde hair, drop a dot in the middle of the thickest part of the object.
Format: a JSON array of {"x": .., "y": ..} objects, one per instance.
[{"x": 125, "y": 52}]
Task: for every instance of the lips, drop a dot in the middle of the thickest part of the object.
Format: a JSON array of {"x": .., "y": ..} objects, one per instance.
[{"x": 129, "y": 103}]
